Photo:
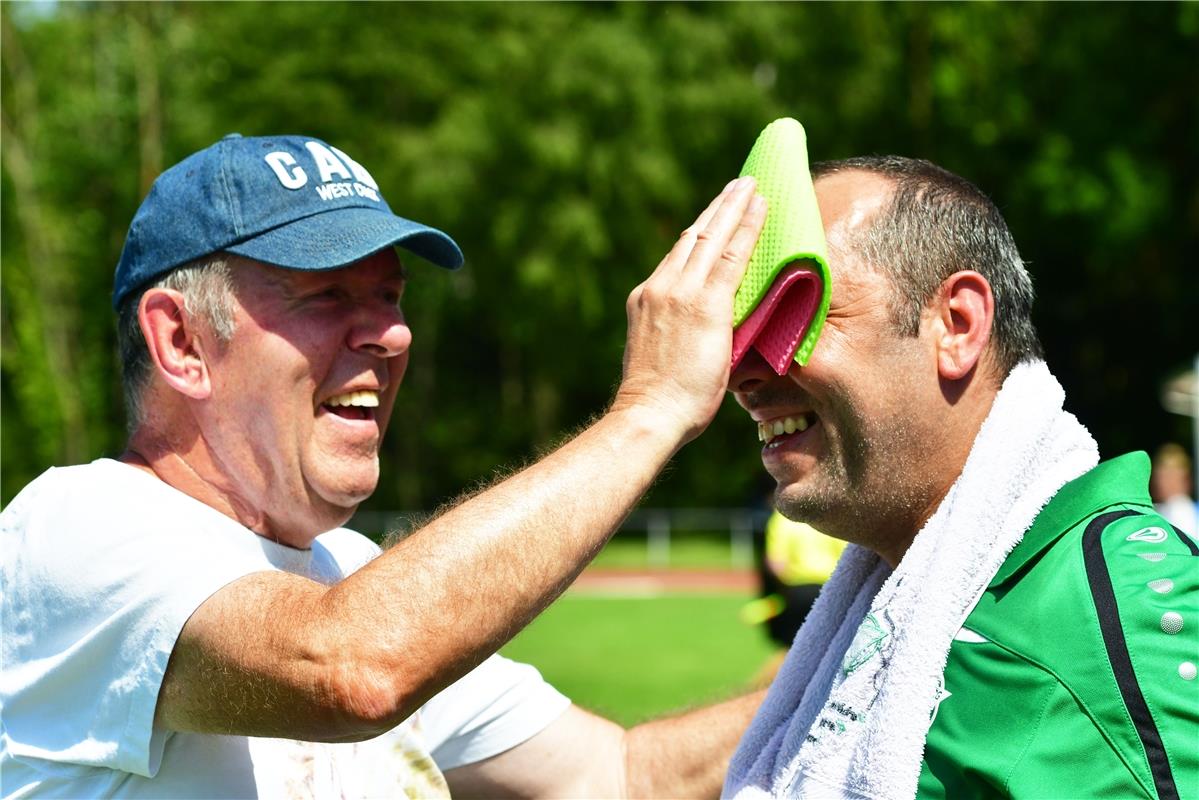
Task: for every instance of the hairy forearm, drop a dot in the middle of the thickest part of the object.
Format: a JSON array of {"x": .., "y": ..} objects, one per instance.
[
  {"x": 278, "y": 655},
  {"x": 433, "y": 606},
  {"x": 688, "y": 755}
]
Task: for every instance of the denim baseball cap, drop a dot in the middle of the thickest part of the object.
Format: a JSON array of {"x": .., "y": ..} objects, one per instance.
[{"x": 289, "y": 201}]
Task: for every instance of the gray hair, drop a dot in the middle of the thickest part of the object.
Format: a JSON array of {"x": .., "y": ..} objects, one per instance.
[
  {"x": 207, "y": 288},
  {"x": 936, "y": 224}
]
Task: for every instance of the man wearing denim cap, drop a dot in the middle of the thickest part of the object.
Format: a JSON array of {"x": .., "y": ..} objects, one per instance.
[{"x": 190, "y": 620}]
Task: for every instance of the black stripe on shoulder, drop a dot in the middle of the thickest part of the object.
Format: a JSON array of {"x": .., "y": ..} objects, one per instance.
[
  {"x": 1117, "y": 653},
  {"x": 1186, "y": 540}
]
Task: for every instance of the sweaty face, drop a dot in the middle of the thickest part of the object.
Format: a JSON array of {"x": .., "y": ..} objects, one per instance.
[
  {"x": 847, "y": 437},
  {"x": 303, "y": 391}
]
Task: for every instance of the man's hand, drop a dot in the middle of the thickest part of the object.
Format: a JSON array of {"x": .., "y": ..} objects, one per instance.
[{"x": 681, "y": 318}]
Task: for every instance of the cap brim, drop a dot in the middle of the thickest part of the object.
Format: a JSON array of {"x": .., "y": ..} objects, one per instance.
[{"x": 339, "y": 237}]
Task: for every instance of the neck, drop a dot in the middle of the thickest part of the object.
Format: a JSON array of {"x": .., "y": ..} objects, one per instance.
[
  {"x": 959, "y": 421},
  {"x": 185, "y": 464}
]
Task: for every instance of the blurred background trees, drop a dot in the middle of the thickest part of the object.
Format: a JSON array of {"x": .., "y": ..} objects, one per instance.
[{"x": 564, "y": 146}]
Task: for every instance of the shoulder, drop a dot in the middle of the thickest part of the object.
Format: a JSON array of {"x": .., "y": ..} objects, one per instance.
[
  {"x": 102, "y": 565},
  {"x": 1142, "y": 585},
  {"x": 1144, "y": 579},
  {"x": 112, "y": 519},
  {"x": 70, "y": 517},
  {"x": 58, "y": 488},
  {"x": 110, "y": 498},
  {"x": 1111, "y": 610},
  {"x": 1127, "y": 554},
  {"x": 105, "y": 546}
]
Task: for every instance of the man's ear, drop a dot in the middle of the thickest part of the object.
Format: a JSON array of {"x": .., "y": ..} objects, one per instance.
[
  {"x": 173, "y": 339},
  {"x": 965, "y": 311}
]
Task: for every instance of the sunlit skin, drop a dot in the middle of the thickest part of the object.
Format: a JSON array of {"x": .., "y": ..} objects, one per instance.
[
  {"x": 247, "y": 428},
  {"x": 248, "y": 425},
  {"x": 890, "y": 434}
]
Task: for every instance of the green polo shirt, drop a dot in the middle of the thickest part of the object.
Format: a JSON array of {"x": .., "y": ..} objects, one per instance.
[{"x": 1074, "y": 677}]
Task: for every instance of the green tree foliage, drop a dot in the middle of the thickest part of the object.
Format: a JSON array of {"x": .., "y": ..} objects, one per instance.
[{"x": 564, "y": 146}]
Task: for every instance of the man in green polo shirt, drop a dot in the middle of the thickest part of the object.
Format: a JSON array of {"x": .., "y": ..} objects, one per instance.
[
  {"x": 1011, "y": 618},
  {"x": 1075, "y": 673}
]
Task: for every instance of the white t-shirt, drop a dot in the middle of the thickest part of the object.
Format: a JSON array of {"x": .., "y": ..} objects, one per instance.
[{"x": 101, "y": 566}]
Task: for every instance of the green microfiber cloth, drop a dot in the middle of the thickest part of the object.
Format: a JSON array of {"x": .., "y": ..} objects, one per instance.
[{"x": 789, "y": 267}]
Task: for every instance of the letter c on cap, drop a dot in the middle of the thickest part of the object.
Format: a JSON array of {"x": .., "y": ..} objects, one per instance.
[{"x": 279, "y": 161}]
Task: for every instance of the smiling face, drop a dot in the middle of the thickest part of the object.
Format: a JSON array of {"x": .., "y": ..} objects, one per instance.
[
  {"x": 302, "y": 393},
  {"x": 863, "y": 462}
]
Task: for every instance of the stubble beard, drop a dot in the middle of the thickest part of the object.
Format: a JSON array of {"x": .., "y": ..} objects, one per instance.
[{"x": 865, "y": 489}]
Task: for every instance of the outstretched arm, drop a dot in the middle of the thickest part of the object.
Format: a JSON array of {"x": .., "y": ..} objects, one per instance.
[
  {"x": 273, "y": 654},
  {"x": 581, "y": 755}
]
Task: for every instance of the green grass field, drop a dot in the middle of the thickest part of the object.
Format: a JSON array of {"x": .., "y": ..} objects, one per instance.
[
  {"x": 633, "y": 658},
  {"x": 688, "y": 550}
]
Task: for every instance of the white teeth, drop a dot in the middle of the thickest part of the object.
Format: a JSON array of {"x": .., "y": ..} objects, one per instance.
[
  {"x": 767, "y": 431},
  {"x": 363, "y": 399}
]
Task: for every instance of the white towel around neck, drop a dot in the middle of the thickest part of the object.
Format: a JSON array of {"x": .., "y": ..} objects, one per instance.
[{"x": 849, "y": 711}]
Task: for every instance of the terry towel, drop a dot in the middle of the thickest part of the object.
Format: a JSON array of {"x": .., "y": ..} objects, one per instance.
[{"x": 849, "y": 711}]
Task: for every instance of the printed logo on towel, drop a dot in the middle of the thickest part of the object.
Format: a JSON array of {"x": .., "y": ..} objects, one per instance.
[
  {"x": 836, "y": 719},
  {"x": 856, "y": 688},
  {"x": 1150, "y": 534},
  {"x": 340, "y": 175},
  {"x": 866, "y": 644}
]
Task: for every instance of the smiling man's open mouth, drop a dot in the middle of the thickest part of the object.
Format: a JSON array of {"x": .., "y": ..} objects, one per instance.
[
  {"x": 771, "y": 430},
  {"x": 353, "y": 405}
]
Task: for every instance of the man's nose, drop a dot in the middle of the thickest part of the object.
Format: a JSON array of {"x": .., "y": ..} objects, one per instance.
[
  {"x": 750, "y": 374},
  {"x": 381, "y": 331}
]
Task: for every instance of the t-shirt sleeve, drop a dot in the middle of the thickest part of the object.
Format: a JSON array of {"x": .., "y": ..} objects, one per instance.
[
  {"x": 495, "y": 707},
  {"x": 101, "y": 568},
  {"x": 341, "y": 552}
]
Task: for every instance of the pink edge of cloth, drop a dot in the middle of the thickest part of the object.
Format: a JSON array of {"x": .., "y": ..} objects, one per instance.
[{"x": 777, "y": 326}]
